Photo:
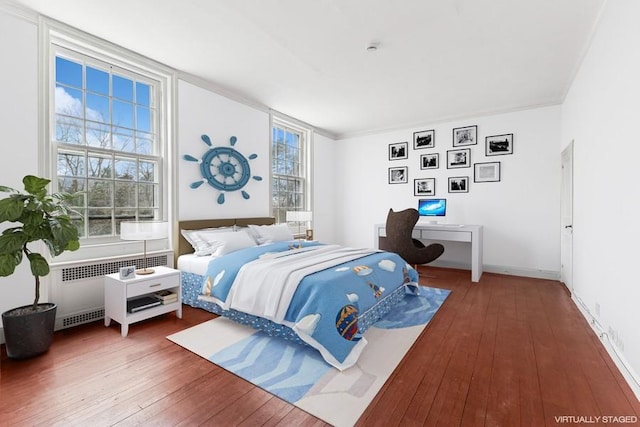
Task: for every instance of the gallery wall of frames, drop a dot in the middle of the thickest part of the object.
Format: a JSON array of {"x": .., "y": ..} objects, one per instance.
[{"x": 451, "y": 152}]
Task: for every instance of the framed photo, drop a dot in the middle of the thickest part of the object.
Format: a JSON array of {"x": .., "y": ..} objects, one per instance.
[
  {"x": 459, "y": 158},
  {"x": 424, "y": 187},
  {"x": 458, "y": 184},
  {"x": 424, "y": 139},
  {"x": 498, "y": 145},
  {"x": 467, "y": 135},
  {"x": 398, "y": 151},
  {"x": 486, "y": 172},
  {"x": 128, "y": 272},
  {"x": 430, "y": 161},
  {"x": 398, "y": 175}
]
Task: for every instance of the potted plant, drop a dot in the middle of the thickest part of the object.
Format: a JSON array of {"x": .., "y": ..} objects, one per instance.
[{"x": 33, "y": 216}]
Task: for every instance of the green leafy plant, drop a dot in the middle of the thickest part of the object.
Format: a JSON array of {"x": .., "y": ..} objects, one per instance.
[{"x": 39, "y": 216}]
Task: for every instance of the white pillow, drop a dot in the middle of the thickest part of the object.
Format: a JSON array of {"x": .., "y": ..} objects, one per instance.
[
  {"x": 271, "y": 233},
  {"x": 232, "y": 241},
  {"x": 203, "y": 241}
]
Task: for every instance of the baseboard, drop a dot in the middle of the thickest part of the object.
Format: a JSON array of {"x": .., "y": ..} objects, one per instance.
[
  {"x": 502, "y": 269},
  {"x": 619, "y": 360}
]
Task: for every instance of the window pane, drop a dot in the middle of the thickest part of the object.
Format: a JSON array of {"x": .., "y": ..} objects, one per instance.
[
  {"x": 69, "y": 130},
  {"x": 279, "y": 136},
  {"x": 73, "y": 186},
  {"x": 123, "y": 140},
  {"x": 144, "y": 143},
  {"x": 100, "y": 193},
  {"x": 98, "y": 108},
  {"x": 143, "y": 94},
  {"x": 100, "y": 167},
  {"x": 147, "y": 171},
  {"x": 148, "y": 214},
  {"x": 71, "y": 164},
  {"x": 143, "y": 119},
  {"x": 147, "y": 195},
  {"x": 68, "y": 72},
  {"x": 100, "y": 222},
  {"x": 68, "y": 101},
  {"x": 125, "y": 195},
  {"x": 123, "y": 114},
  {"x": 98, "y": 135},
  {"x": 97, "y": 81},
  {"x": 122, "y": 88},
  {"x": 77, "y": 218},
  {"x": 126, "y": 169}
]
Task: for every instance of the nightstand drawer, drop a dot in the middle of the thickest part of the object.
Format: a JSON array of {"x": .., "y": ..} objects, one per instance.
[{"x": 152, "y": 285}]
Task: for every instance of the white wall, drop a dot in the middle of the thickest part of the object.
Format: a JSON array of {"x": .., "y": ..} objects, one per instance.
[
  {"x": 520, "y": 214},
  {"x": 19, "y": 124},
  {"x": 601, "y": 113},
  {"x": 324, "y": 189},
  {"x": 202, "y": 111}
]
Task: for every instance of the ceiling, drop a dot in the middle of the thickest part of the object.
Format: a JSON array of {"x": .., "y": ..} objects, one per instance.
[{"x": 436, "y": 59}]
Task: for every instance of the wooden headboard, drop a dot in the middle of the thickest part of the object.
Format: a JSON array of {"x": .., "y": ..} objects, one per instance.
[{"x": 184, "y": 247}]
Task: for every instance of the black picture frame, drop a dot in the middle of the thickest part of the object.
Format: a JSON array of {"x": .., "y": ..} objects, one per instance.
[
  {"x": 464, "y": 136},
  {"x": 460, "y": 158},
  {"x": 424, "y": 187},
  {"x": 399, "y": 150},
  {"x": 398, "y": 175},
  {"x": 498, "y": 145},
  {"x": 424, "y": 139},
  {"x": 486, "y": 172},
  {"x": 430, "y": 161},
  {"x": 458, "y": 184}
]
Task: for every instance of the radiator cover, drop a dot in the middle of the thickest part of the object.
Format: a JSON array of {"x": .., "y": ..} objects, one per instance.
[{"x": 79, "y": 289}]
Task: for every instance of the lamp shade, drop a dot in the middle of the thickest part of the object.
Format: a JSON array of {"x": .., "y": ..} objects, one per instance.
[
  {"x": 144, "y": 230},
  {"x": 299, "y": 216}
]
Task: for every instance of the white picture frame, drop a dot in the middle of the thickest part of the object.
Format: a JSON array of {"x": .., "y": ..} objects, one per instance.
[{"x": 128, "y": 272}]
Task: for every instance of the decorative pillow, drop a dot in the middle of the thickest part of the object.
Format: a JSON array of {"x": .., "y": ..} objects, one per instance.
[
  {"x": 203, "y": 241},
  {"x": 271, "y": 233},
  {"x": 232, "y": 241}
]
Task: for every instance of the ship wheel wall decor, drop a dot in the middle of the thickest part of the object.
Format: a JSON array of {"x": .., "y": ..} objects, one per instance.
[{"x": 223, "y": 168}]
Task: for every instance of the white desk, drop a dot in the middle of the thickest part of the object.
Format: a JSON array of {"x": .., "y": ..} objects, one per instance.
[{"x": 450, "y": 233}]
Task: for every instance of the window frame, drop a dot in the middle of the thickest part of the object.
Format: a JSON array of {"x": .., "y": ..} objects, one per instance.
[
  {"x": 304, "y": 159},
  {"x": 59, "y": 40}
]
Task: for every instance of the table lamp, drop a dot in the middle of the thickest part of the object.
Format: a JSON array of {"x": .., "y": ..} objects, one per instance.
[
  {"x": 299, "y": 217},
  {"x": 144, "y": 230}
]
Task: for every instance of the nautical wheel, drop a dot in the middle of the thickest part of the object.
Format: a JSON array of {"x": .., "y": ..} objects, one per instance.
[{"x": 223, "y": 168}]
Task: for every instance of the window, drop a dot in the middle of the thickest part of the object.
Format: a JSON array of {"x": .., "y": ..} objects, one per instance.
[
  {"x": 106, "y": 141},
  {"x": 289, "y": 170}
]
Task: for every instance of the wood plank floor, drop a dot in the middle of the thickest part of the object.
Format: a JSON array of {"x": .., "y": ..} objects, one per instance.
[{"x": 507, "y": 351}]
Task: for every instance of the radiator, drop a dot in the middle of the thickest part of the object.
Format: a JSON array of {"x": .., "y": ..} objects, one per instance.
[{"x": 79, "y": 289}]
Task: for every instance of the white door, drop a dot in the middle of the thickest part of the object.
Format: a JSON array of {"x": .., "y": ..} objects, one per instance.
[{"x": 566, "y": 206}]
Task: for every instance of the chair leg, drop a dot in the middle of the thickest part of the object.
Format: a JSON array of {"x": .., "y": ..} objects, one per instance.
[{"x": 415, "y": 267}]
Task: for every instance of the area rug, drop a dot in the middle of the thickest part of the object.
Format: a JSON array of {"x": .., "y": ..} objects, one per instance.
[{"x": 299, "y": 375}]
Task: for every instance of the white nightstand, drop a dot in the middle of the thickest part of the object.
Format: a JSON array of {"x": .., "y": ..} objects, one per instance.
[{"x": 117, "y": 292}]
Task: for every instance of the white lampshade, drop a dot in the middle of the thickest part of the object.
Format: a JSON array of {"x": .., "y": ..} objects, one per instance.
[
  {"x": 299, "y": 216},
  {"x": 144, "y": 230}
]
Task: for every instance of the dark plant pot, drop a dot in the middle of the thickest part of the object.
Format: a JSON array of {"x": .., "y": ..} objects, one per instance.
[{"x": 28, "y": 333}]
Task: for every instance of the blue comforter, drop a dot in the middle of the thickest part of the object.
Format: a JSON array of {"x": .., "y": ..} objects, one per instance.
[{"x": 325, "y": 306}]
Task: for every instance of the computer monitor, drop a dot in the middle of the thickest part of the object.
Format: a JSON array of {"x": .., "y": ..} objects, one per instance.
[{"x": 432, "y": 207}]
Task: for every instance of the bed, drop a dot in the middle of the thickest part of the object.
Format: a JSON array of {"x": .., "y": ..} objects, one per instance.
[{"x": 313, "y": 293}]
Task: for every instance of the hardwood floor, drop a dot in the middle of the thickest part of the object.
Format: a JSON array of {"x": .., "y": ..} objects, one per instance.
[{"x": 507, "y": 351}]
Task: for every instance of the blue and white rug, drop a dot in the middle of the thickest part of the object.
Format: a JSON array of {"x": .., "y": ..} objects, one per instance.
[{"x": 299, "y": 375}]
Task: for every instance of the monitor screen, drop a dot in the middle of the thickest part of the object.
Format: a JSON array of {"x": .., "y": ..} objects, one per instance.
[{"x": 432, "y": 207}]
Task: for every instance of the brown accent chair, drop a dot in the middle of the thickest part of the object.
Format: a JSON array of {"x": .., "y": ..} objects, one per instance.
[{"x": 399, "y": 227}]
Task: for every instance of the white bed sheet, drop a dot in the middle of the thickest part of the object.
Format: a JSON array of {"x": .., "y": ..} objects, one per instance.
[{"x": 193, "y": 264}]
